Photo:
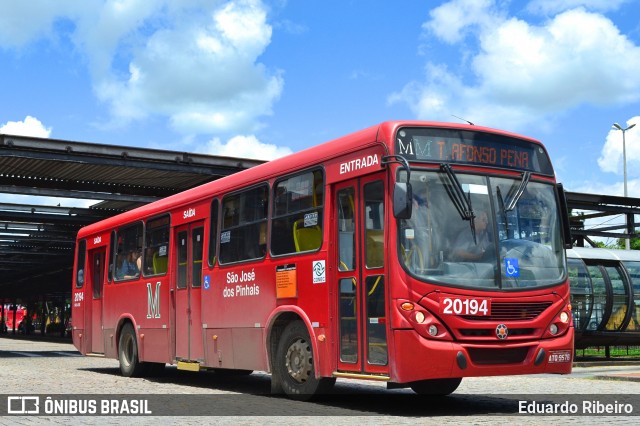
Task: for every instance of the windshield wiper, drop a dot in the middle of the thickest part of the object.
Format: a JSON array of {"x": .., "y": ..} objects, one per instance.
[
  {"x": 502, "y": 210},
  {"x": 514, "y": 195},
  {"x": 461, "y": 201}
]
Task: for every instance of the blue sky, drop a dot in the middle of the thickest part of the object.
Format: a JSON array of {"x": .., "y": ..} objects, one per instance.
[{"x": 261, "y": 79}]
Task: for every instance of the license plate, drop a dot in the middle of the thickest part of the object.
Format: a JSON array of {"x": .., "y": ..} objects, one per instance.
[
  {"x": 559, "y": 356},
  {"x": 474, "y": 306}
]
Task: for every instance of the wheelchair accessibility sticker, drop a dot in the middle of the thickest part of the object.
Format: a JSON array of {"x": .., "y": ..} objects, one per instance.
[{"x": 511, "y": 267}]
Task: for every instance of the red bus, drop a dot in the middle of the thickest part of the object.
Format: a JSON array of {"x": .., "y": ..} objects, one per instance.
[
  {"x": 414, "y": 253},
  {"x": 7, "y": 322}
]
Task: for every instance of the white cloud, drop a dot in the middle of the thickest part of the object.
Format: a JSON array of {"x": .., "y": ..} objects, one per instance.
[
  {"x": 23, "y": 22},
  {"x": 615, "y": 188},
  {"x": 246, "y": 147},
  {"x": 523, "y": 73},
  {"x": 611, "y": 157},
  {"x": 547, "y": 7},
  {"x": 201, "y": 71},
  {"x": 452, "y": 20},
  {"x": 192, "y": 61},
  {"x": 30, "y": 126}
]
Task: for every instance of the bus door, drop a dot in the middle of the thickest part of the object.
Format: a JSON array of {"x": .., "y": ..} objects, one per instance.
[
  {"x": 188, "y": 280},
  {"x": 96, "y": 275},
  {"x": 362, "y": 295}
]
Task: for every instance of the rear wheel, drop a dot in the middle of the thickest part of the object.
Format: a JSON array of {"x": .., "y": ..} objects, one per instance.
[
  {"x": 436, "y": 387},
  {"x": 295, "y": 364},
  {"x": 130, "y": 366}
]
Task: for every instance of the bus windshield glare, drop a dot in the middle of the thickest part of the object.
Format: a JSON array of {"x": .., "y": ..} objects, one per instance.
[{"x": 505, "y": 235}]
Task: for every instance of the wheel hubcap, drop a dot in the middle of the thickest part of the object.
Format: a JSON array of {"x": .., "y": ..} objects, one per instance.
[{"x": 299, "y": 361}]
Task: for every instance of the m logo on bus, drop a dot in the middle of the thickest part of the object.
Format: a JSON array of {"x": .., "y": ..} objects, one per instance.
[
  {"x": 153, "y": 302},
  {"x": 405, "y": 149}
]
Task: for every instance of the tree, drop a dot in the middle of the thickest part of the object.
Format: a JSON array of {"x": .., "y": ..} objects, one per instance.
[{"x": 635, "y": 243}]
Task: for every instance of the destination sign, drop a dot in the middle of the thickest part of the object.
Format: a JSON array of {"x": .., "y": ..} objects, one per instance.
[{"x": 469, "y": 147}]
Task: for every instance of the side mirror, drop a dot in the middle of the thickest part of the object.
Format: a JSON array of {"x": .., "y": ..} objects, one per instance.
[{"x": 402, "y": 199}]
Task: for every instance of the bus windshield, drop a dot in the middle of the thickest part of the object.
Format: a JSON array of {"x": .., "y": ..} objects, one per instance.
[{"x": 505, "y": 234}]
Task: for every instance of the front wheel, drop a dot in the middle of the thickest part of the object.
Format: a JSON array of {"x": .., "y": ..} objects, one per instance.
[
  {"x": 295, "y": 364},
  {"x": 130, "y": 366},
  {"x": 436, "y": 387}
]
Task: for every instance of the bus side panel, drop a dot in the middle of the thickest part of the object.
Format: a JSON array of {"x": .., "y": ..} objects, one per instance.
[
  {"x": 239, "y": 348},
  {"x": 147, "y": 302},
  {"x": 155, "y": 321},
  {"x": 235, "y": 308},
  {"x": 154, "y": 343},
  {"x": 239, "y": 296},
  {"x": 77, "y": 331},
  {"x": 218, "y": 348},
  {"x": 252, "y": 355},
  {"x": 110, "y": 348}
]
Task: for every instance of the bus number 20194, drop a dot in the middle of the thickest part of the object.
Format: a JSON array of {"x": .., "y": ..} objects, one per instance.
[{"x": 465, "y": 306}]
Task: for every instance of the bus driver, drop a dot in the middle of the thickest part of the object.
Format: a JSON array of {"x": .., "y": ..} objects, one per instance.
[{"x": 465, "y": 248}]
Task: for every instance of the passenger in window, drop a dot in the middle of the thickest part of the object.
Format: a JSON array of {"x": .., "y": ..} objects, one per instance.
[{"x": 130, "y": 266}]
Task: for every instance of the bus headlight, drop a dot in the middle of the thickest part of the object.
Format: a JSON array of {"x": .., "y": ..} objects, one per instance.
[
  {"x": 561, "y": 323},
  {"x": 418, "y": 317}
]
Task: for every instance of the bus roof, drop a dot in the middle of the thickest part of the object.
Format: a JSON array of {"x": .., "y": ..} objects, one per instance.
[{"x": 377, "y": 135}]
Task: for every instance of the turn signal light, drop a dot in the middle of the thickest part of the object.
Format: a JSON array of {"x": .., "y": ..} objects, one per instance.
[{"x": 407, "y": 306}]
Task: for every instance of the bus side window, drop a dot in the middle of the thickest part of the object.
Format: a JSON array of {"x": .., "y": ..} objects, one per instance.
[
  {"x": 156, "y": 251},
  {"x": 346, "y": 229},
  {"x": 213, "y": 232},
  {"x": 112, "y": 256},
  {"x": 374, "y": 220},
  {"x": 242, "y": 236},
  {"x": 128, "y": 252},
  {"x": 82, "y": 252},
  {"x": 297, "y": 214}
]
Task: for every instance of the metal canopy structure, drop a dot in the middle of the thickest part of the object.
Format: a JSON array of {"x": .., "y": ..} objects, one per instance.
[
  {"x": 594, "y": 206},
  {"x": 37, "y": 242}
]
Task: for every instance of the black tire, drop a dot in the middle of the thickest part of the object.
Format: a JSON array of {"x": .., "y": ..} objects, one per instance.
[
  {"x": 130, "y": 366},
  {"x": 295, "y": 365},
  {"x": 436, "y": 387}
]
